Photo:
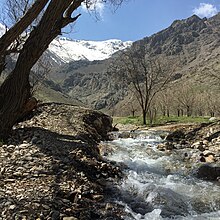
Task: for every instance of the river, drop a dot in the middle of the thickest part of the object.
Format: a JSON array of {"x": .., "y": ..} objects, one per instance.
[{"x": 160, "y": 184}]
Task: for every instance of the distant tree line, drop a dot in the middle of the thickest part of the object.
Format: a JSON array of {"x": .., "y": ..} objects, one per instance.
[
  {"x": 189, "y": 100},
  {"x": 183, "y": 99}
]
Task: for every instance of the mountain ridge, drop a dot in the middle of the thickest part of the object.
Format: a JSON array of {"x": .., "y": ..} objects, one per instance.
[{"x": 192, "y": 44}]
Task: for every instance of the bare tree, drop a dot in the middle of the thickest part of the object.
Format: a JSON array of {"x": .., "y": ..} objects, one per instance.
[
  {"x": 165, "y": 101},
  {"x": 15, "y": 91},
  {"x": 211, "y": 102},
  {"x": 143, "y": 75},
  {"x": 185, "y": 95},
  {"x": 133, "y": 109},
  {"x": 153, "y": 110}
]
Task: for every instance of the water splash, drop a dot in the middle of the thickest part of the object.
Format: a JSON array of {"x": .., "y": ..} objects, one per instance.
[{"x": 158, "y": 185}]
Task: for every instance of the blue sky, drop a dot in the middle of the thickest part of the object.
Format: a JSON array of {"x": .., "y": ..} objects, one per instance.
[{"x": 136, "y": 19}]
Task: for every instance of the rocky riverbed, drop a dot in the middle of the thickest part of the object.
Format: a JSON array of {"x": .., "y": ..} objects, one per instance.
[
  {"x": 196, "y": 144},
  {"x": 50, "y": 167},
  {"x": 201, "y": 145}
]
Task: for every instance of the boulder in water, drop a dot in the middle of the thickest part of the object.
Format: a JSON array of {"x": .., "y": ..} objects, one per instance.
[
  {"x": 208, "y": 172},
  {"x": 169, "y": 202},
  {"x": 166, "y": 146},
  {"x": 175, "y": 136}
]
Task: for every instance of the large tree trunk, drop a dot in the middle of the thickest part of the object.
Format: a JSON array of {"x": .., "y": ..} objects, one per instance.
[{"x": 15, "y": 91}]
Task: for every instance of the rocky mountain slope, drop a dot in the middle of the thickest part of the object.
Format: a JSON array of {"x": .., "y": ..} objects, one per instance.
[
  {"x": 88, "y": 82},
  {"x": 192, "y": 44}
]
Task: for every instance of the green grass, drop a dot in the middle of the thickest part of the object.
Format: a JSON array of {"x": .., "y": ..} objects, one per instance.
[
  {"x": 161, "y": 120},
  {"x": 136, "y": 120}
]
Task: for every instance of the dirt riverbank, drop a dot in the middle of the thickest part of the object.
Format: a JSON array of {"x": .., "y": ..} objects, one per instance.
[{"x": 50, "y": 167}]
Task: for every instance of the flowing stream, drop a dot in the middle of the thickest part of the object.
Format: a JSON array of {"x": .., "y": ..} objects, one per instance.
[{"x": 160, "y": 184}]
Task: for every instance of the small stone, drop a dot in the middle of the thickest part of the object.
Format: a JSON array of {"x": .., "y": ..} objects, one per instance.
[
  {"x": 34, "y": 140},
  {"x": 210, "y": 159},
  {"x": 55, "y": 215},
  {"x": 23, "y": 145},
  {"x": 201, "y": 148},
  {"x": 196, "y": 144},
  {"x": 2, "y": 170},
  {"x": 11, "y": 207},
  {"x": 205, "y": 142},
  {"x": 10, "y": 146},
  {"x": 207, "y": 153},
  {"x": 45, "y": 206},
  {"x": 29, "y": 158},
  {"x": 202, "y": 159},
  {"x": 178, "y": 146},
  {"x": 17, "y": 174},
  {"x": 65, "y": 200},
  {"x": 69, "y": 218},
  {"x": 109, "y": 206},
  {"x": 10, "y": 180},
  {"x": 212, "y": 119},
  {"x": 97, "y": 197},
  {"x": 161, "y": 147}
]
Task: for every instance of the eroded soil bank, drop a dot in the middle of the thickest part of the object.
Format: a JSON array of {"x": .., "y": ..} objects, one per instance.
[{"x": 50, "y": 167}]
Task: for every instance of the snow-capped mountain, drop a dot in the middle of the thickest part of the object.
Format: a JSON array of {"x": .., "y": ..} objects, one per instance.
[
  {"x": 64, "y": 50},
  {"x": 73, "y": 50}
]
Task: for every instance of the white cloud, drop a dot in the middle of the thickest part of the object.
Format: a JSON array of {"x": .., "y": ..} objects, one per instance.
[
  {"x": 95, "y": 6},
  {"x": 205, "y": 10}
]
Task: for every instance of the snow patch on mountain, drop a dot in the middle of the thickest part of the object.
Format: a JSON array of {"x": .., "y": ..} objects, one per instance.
[{"x": 72, "y": 50}]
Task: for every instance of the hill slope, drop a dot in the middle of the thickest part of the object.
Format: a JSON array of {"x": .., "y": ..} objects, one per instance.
[{"x": 192, "y": 44}]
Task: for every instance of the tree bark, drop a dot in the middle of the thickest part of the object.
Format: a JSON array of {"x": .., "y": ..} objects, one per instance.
[
  {"x": 188, "y": 111},
  {"x": 178, "y": 113},
  {"x": 133, "y": 113},
  {"x": 15, "y": 91},
  {"x": 144, "y": 115}
]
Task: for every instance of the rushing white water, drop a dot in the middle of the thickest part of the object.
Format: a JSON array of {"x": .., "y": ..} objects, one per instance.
[{"x": 159, "y": 185}]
